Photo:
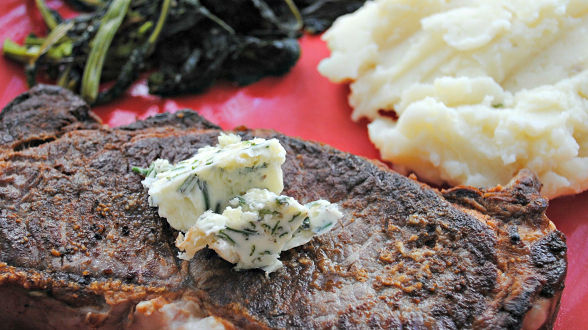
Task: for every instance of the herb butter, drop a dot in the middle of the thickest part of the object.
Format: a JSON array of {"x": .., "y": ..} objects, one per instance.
[
  {"x": 243, "y": 180},
  {"x": 212, "y": 177},
  {"x": 255, "y": 227}
]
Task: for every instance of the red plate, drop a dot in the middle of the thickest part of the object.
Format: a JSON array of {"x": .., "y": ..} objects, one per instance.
[{"x": 303, "y": 104}]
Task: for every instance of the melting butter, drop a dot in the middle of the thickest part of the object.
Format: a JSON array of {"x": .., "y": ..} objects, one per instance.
[
  {"x": 243, "y": 180},
  {"x": 212, "y": 177},
  {"x": 253, "y": 230}
]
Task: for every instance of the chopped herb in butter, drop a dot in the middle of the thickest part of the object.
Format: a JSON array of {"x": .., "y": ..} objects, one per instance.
[
  {"x": 212, "y": 177},
  {"x": 243, "y": 180},
  {"x": 255, "y": 227}
]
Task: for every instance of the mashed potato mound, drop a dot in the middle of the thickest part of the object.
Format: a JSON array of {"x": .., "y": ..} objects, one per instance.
[{"x": 481, "y": 88}]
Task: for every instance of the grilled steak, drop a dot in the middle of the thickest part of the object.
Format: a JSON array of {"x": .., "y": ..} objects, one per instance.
[{"x": 81, "y": 248}]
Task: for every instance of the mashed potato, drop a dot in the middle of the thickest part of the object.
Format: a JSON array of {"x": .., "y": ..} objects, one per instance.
[{"x": 481, "y": 88}]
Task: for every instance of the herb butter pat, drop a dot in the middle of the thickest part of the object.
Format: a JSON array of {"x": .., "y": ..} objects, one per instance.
[
  {"x": 243, "y": 180},
  {"x": 212, "y": 177},
  {"x": 256, "y": 227}
]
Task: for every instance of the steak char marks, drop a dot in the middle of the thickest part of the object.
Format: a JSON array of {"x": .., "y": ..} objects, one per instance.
[{"x": 81, "y": 248}]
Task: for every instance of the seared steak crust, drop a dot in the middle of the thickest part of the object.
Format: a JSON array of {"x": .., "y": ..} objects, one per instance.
[
  {"x": 22, "y": 126},
  {"x": 78, "y": 238}
]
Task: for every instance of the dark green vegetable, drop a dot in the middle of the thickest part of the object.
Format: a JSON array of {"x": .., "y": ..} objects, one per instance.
[
  {"x": 17, "y": 52},
  {"x": 320, "y": 14},
  {"x": 109, "y": 25},
  {"x": 50, "y": 17},
  {"x": 135, "y": 64},
  {"x": 186, "y": 44},
  {"x": 86, "y": 5}
]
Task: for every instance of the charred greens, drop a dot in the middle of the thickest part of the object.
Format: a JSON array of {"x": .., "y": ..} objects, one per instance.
[
  {"x": 320, "y": 14},
  {"x": 187, "y": 45}
]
